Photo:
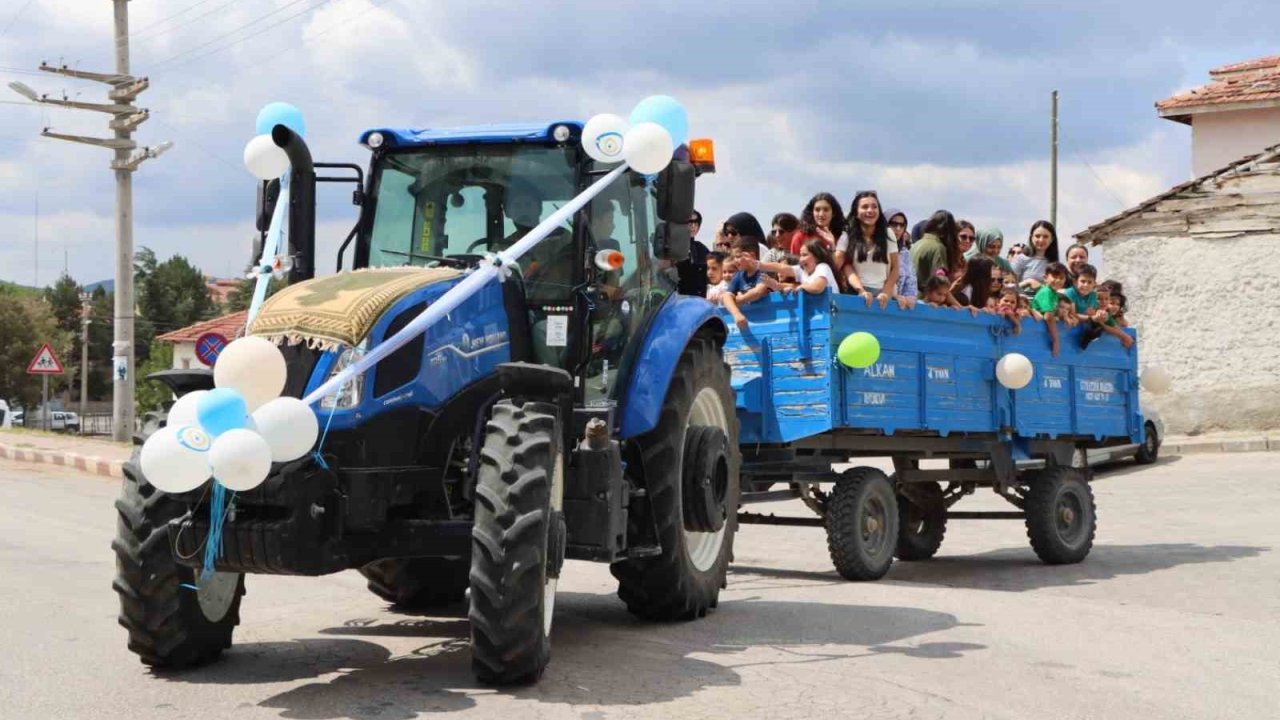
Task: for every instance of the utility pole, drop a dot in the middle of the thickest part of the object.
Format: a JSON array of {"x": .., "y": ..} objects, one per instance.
[
  {"x": 86, "y": 310},
  {"x": 126, "y": 118},
  {"x": 1053, "y": 166}
]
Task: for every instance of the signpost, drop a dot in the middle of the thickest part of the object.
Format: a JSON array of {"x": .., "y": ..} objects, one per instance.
[
  {"x": 44, "y": 364},
  {"x": 209, "y": 346}
]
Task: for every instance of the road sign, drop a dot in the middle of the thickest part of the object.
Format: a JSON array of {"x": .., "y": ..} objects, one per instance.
[
  {"x": 45, "y": 362},
  {"x": 209, "y": 346}
]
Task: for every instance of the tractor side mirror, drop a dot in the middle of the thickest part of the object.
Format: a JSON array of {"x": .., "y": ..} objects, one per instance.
[
  {"x": 673, "y": 240},
  {"x": 268, "y": 194},
  {"x": 675, "y": 192}
]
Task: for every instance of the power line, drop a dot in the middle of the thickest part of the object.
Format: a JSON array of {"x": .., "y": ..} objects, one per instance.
[
  {"x": 15, "y": 17},
  {"x": 142, "y": 30},
  {"x": 179, "y": 26},
  {"x": 1098, "y": 178},
  {"x": 170, "y": 61}
]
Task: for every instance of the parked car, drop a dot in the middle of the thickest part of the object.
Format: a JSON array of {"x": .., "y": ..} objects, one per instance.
[
  {"x": 1143, "y": 453},
  {"x": 17, "y": 418},
  {"x": 6, "y": 417}
]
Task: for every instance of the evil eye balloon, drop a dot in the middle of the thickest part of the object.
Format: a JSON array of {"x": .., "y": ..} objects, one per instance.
[{"x": 602, "y": 138}]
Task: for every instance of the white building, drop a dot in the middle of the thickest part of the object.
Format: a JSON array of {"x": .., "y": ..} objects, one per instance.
[
  {"x": 1199, "y": 267},
  {"x": 1236, "y": 114}
]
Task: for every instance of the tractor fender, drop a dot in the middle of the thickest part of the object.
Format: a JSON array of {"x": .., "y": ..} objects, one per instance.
[{"x": 675, "y": 323}]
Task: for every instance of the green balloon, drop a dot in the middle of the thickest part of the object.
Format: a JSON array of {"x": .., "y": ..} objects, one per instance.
[{"x": 859, "y": 350}]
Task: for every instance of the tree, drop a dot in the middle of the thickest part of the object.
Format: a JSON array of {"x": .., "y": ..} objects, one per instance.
[
  {"x": 150, "y": 394},
  {"x": 101, "y": 335},
  {"x": 25, "y": 323},
  {"x": 170, "y": 295},
  {"x": 63, "y": 298}
]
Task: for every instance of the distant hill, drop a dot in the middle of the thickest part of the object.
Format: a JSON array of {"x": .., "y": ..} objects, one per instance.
[
  {"x": 108, "y": 286},
  {"x": 7, "y": 287}
]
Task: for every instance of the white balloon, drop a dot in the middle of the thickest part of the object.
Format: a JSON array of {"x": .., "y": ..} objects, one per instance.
[
  {"x": 1156, "y": 379},
  {"x": 175, "y": 459},
  {"x": 183, "y": 411},
  {"x": 1014, "y": 371},
  {"x": 253, "y": 367},
  {"x": 647, "y": 148},
  {"x": 240, "y": 459},
  {"x": 265, "y": 159},
  {"x": 289, "y": 427},
  {"x": 602, "y": 137}
]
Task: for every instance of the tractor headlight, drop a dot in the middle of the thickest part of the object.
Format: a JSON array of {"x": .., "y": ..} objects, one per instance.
[
  {"x": 375, "y": 140},
  {"x": 347, "y": 396}
]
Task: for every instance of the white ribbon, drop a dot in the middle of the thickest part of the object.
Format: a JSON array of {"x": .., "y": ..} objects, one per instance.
[
  {"x": 270, "y": 249},
  {"x": 470, "y": 285}
]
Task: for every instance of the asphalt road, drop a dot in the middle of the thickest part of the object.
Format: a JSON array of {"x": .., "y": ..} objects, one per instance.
[{"x": 1172, "y": 616}]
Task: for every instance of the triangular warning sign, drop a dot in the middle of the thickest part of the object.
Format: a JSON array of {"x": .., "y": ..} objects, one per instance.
[{"x": 45, "y": 362}]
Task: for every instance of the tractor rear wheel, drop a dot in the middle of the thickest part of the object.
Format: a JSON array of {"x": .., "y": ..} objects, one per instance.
[
  {"x": 174, "y": 620},
  {"x": 517, "y": 542},
  {"x": 418, "y": 583},
  {"x": 1061, "y": 516},
  {"x": 922, "y": 522},
  {"x": 695, "y": 525},
  {"x": 862, "y": 524}
]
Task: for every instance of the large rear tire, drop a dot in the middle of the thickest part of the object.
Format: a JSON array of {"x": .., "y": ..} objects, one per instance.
[
  {"x": 1061, "y": 516},
  {"x": 170, "y": 624},
  {"x": 922, "y": 522},
  {"x": 419, "y": 583},
  {"x": 862, "y": 524},
  {"x": 517, "y": 542},
  {"x": 684, "y": 581}
]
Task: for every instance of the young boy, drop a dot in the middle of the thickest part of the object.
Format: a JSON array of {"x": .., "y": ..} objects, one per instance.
[
  {"x": 748, "y": 283},
  {"x": 1090, "y": 308},
  {"x": 1045, "y": 303},
  {"x": 935, "y": 291},
  {"x": 716, "y": 282}
]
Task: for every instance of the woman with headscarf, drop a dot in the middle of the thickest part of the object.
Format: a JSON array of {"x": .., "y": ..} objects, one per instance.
[{"x": 990, "y": 243}]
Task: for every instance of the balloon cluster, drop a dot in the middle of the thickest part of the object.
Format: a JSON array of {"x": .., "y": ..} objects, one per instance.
[
  {"x": 265, "y": 159},
  {"x": 657, "y": 126},
  {"x": 234, "y": 432}
]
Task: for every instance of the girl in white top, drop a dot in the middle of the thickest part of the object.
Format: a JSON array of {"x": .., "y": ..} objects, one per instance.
[
  {"x": 813, "y": 275},
  {"x": 869, "y": 261}
]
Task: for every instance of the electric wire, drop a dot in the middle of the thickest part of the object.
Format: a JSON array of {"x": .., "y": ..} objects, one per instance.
[
  {"x": 177, "y": 60},
  {"x": 9, "y": 25}
]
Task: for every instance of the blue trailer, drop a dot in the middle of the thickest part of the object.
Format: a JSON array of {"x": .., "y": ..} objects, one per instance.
[{"x": 932, "y": 393}]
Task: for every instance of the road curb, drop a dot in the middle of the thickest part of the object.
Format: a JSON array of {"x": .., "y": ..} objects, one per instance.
[
  {"x": 86, "y": 463},
  {"x": 1196, "y": 446}
]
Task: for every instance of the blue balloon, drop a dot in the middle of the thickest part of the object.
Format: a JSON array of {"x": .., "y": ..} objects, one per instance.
[
  {"x": 278, "y": 113},
  {"x": 220, "y": 410},
  {"x": 665, "y": 111}
]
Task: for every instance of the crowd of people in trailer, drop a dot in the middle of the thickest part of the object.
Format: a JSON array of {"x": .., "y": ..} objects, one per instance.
[{"x": 941, "y": 262}]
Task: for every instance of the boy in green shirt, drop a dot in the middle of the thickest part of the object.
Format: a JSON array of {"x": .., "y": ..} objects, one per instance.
[
  {"x": 1087, "y": 308},
  {"x": 1044, "y": 305}
]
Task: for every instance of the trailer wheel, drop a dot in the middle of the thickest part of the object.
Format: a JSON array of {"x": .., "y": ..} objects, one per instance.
[
  {"x": 1149, "y": 451},
  {"x": 517, "y": 542},
  {"x": 862, "y": 524},
  {"x": 684, "y": 581},
  {"x": 922, "y": 522},
  {"x": 419, "y": 583},
  {"x": 170, "y": 625},
  {"x": 1061, "y": 516}
]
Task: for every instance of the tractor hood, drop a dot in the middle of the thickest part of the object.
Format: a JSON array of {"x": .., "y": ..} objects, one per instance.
[{"x": 336, "y": 318}]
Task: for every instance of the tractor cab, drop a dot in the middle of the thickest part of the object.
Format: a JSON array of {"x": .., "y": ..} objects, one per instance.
[{"x": 451, "y": 197}]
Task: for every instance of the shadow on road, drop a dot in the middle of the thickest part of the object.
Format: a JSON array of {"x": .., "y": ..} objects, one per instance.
[
  {"x": 602, "y": 656},
  {"x": 1123, "y": 468},
  {"x": 1016, "y": 570}
]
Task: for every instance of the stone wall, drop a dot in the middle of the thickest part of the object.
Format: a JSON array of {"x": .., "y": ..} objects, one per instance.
[{"x": 1208, "y": 312}]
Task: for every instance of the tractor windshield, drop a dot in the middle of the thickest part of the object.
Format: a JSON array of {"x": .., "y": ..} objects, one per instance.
[{"x": 453, "y": 203}]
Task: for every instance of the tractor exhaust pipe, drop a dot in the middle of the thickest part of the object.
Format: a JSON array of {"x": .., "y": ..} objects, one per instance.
[{"x": 302, "y": 203}]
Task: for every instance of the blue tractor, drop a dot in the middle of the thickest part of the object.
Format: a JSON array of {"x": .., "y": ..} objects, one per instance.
[{"x": 579, "y": 409}]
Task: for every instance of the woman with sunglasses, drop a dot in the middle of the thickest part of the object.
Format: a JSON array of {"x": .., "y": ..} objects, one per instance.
[
  {"x": 782, "y": 229},
  {"x": 866, "y": 256},
  {"x": 908, "y": 288},
  {"x": 822, "y": 219}
]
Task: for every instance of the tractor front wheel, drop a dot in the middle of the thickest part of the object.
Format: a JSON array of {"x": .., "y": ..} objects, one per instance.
[{"x": 517, "y": 542}]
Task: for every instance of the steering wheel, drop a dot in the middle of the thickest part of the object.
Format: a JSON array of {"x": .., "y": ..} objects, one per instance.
[{"x": 471, "y": 249}]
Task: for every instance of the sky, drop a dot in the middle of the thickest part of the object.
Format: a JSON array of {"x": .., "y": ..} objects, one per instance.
[{"x": 934, "y": 103}]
